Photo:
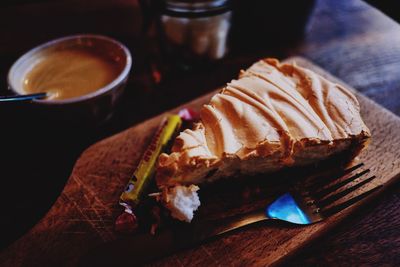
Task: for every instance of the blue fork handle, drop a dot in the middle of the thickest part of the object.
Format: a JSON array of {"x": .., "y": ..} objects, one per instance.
[
  {"x": 287, "y": 209},
  {"x": 284, "y": 208}
]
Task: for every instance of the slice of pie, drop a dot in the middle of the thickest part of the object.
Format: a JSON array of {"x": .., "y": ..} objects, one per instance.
[{"x": 274, "y": 116}]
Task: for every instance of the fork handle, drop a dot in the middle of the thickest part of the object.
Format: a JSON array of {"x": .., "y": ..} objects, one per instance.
[{"x": 214, "y": 228}]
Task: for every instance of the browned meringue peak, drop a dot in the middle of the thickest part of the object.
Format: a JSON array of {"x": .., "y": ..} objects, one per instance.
[
  {"x": 267, "y": 110},
  {"x": 329, "y": 103}
]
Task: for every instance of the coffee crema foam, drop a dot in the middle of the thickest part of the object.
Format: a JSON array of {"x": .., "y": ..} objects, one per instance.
[{"x": 70, "y": 73}]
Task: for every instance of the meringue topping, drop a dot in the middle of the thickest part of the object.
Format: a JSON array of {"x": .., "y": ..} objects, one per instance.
[{"x": 269, "y": 110}]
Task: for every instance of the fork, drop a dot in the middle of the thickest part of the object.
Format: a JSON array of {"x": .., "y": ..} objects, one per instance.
[{"x": 306, "y": 203}]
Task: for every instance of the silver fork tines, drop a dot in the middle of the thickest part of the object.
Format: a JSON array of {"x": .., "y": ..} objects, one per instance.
[
  {"x": 311, "y": 201},
  {"x": 319, "y": 202},
  {"x": 321, "y": 182},
  {"x": 331, "y": 199},
  {"x": 321, "y": 196},
  {"x": 326, "y": 191},
  {"x": 330, "y": 211}
]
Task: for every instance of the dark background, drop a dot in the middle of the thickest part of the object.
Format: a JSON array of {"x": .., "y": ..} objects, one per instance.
[{"x": 37, "y": 153}]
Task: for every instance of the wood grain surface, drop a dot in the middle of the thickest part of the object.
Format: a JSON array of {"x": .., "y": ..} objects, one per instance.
[
  {"x": 362, "y": 48},
  {"x": 84, "y": 214},
  {"x": 348, "y": 38}
]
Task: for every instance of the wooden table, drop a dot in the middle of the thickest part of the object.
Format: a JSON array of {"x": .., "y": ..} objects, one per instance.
[
  {"x": 362, "y": 48},
  {"x": 348, "y": 38}
]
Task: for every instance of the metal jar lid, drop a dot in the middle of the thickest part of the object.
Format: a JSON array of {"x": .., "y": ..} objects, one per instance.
[{"x": 196, "y": 8}]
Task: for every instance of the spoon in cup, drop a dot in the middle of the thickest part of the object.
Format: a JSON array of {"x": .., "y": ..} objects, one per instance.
[{"x": 13, "y": 98}]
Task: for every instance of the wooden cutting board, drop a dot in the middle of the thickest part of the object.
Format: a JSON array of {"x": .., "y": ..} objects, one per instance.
[{"x": 83, "y": 216}]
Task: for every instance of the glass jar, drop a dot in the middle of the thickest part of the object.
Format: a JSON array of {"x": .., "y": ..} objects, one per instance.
[{"x": 195, "y": 31}]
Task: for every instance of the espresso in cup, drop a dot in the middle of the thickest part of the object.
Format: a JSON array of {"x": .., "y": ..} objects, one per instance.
[
  {"x": 85, "y": 76},
  {"x": 70, "y": 73}
]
